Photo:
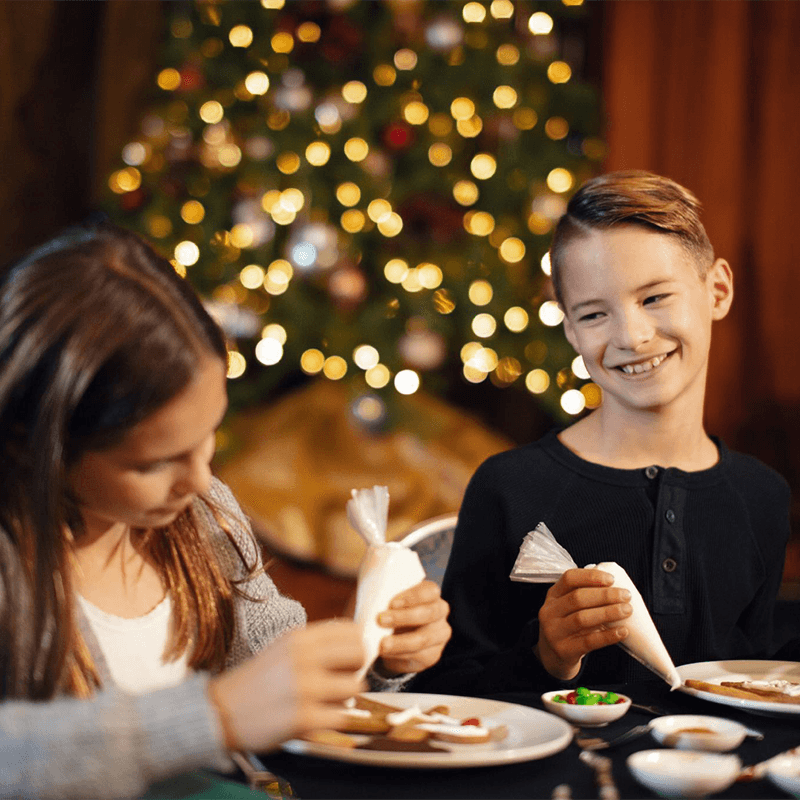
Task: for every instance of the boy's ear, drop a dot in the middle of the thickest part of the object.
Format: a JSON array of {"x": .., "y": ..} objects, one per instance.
[{"x": 720, "y": 285}]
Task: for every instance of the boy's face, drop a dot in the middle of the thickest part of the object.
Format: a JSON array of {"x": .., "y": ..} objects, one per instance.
[{"x": 640, "y": 315}]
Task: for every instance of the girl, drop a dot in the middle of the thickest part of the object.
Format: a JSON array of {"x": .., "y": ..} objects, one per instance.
[{"x": 133, "y": 600}]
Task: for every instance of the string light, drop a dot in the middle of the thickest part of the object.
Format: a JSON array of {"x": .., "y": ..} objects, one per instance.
[
  {"x": 378, "y": 376},
  {"x": 579, "y": 368},
  {"x": 537, "y": 381},
  {"x": 237, "y": 364},
  {"x": 187, "y": 253},
  {"x": 406, "y": 381},
  {"x": 480, "y": 292},
  {"x": 474, "y": 12},
  {"x": 550, "y": 313},
  {"x": 573, "y": 401},
  {"x": 240, "y": 36},
  {"x": 366, "y": 356},
  {"x": 540, "y": 23},
  {"x": 312, "y": 361}
]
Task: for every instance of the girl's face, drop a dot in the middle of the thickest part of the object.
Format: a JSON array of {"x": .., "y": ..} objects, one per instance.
[{"x": 153, "y": 474}]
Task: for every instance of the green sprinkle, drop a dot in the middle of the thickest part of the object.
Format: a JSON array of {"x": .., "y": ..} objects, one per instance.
[
  {"x": 582, "y": 691},
  {"x": 592, "y": 699}
]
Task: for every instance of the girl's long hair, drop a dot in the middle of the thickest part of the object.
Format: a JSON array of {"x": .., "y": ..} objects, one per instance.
[{"x": 97, "y": 332}]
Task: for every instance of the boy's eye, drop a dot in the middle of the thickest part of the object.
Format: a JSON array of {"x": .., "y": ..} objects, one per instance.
[
  {"x": 591, "y": 317},
  {"x": 655, "y": 298}
]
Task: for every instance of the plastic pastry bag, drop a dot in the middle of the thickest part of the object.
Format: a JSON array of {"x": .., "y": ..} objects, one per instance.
[
  {"x": 387, "y": 569},
  {"x": 643, "y": 641},
  {"x": 542, "y": 559}
]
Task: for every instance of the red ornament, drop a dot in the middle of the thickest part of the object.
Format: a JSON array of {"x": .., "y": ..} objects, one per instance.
[
  {"x": 130, "y": 201},
  {"x": 191, "y": 79},
  {"x": 398, "y": 136}
]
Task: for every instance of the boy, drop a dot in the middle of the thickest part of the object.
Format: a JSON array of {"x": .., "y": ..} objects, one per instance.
[{"x": 700, "y": 530}]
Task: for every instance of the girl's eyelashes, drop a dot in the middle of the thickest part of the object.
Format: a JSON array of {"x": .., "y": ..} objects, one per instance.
[
  {"x": 591, "y": 317},
  {"x": 152, "y": 466},
  {"x": 655, "y": 298}
]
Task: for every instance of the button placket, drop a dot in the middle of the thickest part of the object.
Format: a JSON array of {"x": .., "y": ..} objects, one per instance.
[{"x": 669, "y": 548}]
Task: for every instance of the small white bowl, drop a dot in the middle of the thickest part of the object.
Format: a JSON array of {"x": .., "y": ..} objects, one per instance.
[
  {"x": 677, "y": 773},
  {"x": 589, "y": 716},
  {"x": 675, "y": 731},
  {"x": 784, "y": 772}
]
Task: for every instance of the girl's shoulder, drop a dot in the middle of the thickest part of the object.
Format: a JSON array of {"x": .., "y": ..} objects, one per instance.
[{"x": 227, "y": 528}]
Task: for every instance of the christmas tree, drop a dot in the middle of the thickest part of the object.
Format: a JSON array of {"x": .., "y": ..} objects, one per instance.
[{"x": 366, "y": 190}]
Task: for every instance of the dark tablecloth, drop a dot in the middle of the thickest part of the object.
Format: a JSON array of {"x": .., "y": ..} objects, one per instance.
[{"x": 315, "y": 778}]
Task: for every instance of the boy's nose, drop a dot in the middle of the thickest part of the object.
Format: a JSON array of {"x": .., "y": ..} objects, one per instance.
[{"x": 632, "y": 330}]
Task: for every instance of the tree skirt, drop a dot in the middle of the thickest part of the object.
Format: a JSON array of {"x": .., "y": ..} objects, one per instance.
[{"x": 299, "y": 459}]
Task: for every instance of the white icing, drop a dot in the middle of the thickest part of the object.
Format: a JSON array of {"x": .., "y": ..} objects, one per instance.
[
  {"x": 415, "y": 712},
  {"x": 463, "y": 731},
  {"x": 358, "y": 712},
  {"x": 400, "y": 717},
  {"x": 784, "y": 687},
  {"x": 350, "y": 702}
]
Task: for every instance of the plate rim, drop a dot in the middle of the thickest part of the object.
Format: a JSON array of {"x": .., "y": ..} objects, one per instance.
[
  {"x": 758, "y": 706},
  {"x": 444, "y": 760}
]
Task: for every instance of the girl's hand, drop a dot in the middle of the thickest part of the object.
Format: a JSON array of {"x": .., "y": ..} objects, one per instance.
[
  {"x": 296, "y": 684},
  {"x": 419, "y": 618},
  {"x": 572, "y": 617}
]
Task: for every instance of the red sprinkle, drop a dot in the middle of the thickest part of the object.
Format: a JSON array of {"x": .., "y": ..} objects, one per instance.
[
  {"x": 572, "y": 698},
  {"x": 471, "y": 721}
]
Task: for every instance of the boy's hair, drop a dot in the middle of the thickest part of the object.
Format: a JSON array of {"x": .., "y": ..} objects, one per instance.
[
  {"x": 97, "y": 331},
  {"x": 632, "y": 197}
]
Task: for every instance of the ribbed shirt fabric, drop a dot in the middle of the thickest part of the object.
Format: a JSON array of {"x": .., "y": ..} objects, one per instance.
[{"x": 705, "y": 549}]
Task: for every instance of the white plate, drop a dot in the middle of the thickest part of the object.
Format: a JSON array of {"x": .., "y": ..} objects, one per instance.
[
  {"x": 718, "y": 671},
  {"x": 532, "y": 734}
]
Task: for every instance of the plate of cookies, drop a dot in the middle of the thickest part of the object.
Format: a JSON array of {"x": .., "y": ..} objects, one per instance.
[
  {"x": 762, "y": 687},
  {"x": 408, "y": 729}
]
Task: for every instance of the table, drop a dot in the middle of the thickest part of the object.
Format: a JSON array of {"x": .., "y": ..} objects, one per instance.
[{"x": 313, "y": 778}]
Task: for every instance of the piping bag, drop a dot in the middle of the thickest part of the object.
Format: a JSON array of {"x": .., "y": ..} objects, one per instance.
[
  {"x": 387, "y": 568},
  {"x": 542, "y": 559}
]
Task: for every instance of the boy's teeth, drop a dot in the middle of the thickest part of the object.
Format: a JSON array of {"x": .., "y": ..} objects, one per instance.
[{"x": 644, "y": 366}]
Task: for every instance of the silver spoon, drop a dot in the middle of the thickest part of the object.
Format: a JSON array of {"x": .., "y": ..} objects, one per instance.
[{"x": 592, "y": 743}]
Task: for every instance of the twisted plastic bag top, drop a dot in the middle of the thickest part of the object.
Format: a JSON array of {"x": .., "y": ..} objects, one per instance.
[
  {"x": 368, "y": 513},
  {"x": 541, "y": 559}
]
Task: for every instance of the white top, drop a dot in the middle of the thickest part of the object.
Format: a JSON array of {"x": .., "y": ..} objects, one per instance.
[{"x": 134, "y": 648}]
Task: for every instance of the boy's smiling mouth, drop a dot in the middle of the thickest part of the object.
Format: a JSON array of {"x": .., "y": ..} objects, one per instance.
[{"x": 639, "y": 367}]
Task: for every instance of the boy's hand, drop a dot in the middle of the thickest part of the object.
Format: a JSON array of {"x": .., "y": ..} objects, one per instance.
[
  {"x": 419, "y": 618},
  {"x": 571, "y": 619}
]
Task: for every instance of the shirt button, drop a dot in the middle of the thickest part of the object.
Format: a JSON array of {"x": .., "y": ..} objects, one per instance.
[
  {"x": 651, "y": 472},
  {"x": 670, "y": 515},
  {"x": 669, "y": 565}
]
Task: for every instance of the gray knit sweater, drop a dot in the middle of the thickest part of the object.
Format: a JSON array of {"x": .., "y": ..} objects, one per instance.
[{"x": 116, "y": 744}]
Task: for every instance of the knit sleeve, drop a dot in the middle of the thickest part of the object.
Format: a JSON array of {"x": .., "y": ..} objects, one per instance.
[
  {"x": 262, "y": 612},
  {"x": 112, "y": 746}
]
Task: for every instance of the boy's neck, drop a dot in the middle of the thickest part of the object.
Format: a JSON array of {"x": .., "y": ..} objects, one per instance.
[{"x": 638, "y": 440}]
